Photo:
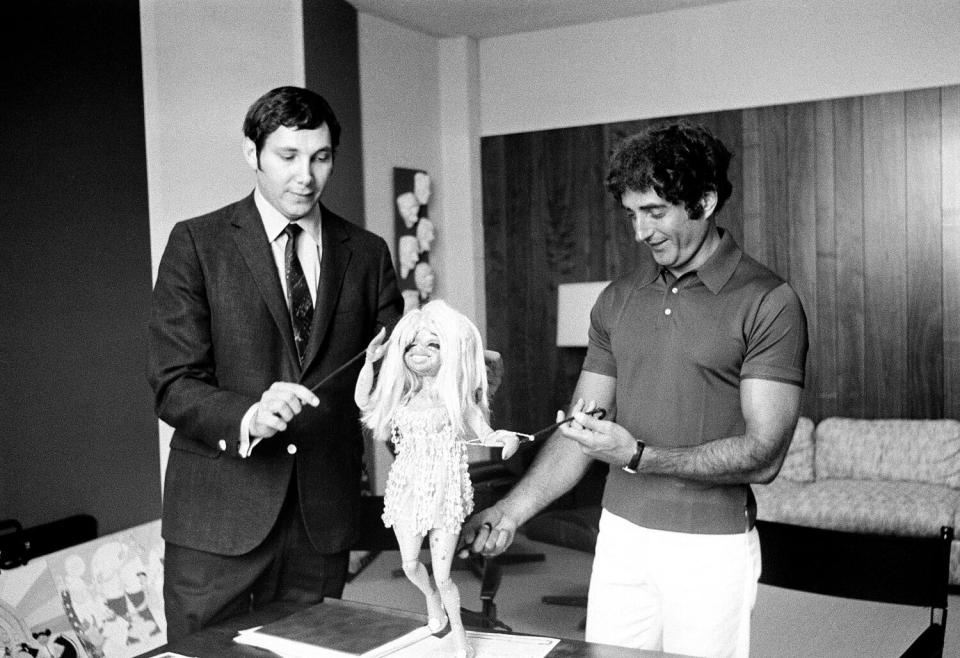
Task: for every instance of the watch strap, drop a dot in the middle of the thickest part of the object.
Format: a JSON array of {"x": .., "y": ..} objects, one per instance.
[{"x": 631, "y": 466}]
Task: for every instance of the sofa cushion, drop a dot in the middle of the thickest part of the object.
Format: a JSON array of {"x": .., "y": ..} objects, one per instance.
[
  {"x": 900, "y": 508},
  {"x": 910, "y": 450},
  {"x": 798, "y": 465},
  {"x": 955, "y": 562}
]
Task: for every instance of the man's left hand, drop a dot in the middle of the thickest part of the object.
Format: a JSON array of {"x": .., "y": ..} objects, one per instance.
[{"x": 600, "y": 439}]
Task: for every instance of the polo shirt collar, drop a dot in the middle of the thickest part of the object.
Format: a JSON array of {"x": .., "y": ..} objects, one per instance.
[
  {"x": 648, "y": 272},
  {"x": 715, "y": 272},
  {"x": 722, "y": 263}
]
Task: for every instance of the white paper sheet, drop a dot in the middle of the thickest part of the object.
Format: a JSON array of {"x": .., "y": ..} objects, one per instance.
[{"x": 487, "y": 645}]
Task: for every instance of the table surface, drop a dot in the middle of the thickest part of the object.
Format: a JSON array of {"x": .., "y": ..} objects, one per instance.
[{"x": 217, "y": 641}]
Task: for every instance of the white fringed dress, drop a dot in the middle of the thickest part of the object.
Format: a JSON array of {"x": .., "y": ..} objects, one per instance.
[{"x": 428, "y": 485}]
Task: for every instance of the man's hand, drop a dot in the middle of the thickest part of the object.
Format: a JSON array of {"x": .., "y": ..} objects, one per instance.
[
  {"x": 489, "y": 533},
  {"x": 277, "y": 406},
  {"x": 598, "y": 439},
  {"x": 494, "y": 363}
]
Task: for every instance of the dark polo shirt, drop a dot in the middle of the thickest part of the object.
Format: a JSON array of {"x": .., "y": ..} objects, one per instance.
[{"x": 678, "y": 349}]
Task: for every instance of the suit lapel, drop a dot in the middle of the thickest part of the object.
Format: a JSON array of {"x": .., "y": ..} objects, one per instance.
[
  {"x": 252, "y": 243},
  {"x": 333, "y": 266}
]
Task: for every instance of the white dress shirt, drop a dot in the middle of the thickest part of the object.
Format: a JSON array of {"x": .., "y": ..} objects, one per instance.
[{"x": 309, "y": 251}]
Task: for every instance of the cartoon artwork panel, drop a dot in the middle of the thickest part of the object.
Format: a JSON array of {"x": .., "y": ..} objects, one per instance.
[
  {"x": 33, "y": 621},
  {"x": 112, "y": 591}
]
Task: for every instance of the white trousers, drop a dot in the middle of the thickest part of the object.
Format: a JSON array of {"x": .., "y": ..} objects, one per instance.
[{"x": 672, "y": 591}]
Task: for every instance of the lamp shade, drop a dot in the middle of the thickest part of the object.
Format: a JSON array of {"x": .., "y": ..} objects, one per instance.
[{"x": 574, "y": 301}]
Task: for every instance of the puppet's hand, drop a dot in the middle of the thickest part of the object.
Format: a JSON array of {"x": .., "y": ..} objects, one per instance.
[
  {"x": 376, "y": 348},
  {"x": 505, "y": 439}
]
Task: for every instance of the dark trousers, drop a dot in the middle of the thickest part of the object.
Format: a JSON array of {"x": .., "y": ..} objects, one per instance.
[{"x": 201, "y": 589}]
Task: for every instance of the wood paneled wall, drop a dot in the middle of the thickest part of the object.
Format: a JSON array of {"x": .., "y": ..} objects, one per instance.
[{"x": 855, "y": 201}]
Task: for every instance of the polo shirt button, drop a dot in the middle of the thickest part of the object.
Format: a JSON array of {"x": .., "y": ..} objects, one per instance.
[
  {"x": 222, "y": 445},
  {"x": 675, "y": 291},
  {"x": 667, "y": 311},
  {"x": 292, "y": 449}
]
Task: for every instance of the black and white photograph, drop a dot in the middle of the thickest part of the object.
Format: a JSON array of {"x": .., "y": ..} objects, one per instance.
[{"x": 480, "y": 328}]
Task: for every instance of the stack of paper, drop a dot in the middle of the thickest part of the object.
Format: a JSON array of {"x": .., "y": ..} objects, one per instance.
[{"x": 338, "y": 628}]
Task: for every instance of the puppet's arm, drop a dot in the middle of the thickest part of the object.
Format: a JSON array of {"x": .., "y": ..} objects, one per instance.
[
  {"x": 361, "y": 394},
  {"x": 491, "y": 438},
  {"x": 375, "y": 350}
]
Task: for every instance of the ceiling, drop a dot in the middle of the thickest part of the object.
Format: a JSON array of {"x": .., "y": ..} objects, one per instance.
[{"x": 490, "y": 18}]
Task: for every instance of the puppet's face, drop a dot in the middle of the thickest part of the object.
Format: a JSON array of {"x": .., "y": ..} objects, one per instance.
[{"x": 422, "y": 356}]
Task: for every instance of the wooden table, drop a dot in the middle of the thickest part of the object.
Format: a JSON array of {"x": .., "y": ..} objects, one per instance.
[{"x": 217, "y": 641}]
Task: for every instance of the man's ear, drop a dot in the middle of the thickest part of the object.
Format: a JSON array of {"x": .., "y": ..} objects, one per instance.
[
  {"x": 250, "y": 153},
  {"x": 708, "y": 203}
]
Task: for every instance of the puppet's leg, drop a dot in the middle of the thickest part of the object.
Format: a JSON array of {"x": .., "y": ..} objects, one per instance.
[
  {"x": 417, "y": 574},
  {"x": 442, "y": 548}
]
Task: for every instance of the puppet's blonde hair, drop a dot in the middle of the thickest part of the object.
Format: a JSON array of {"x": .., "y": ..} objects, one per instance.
[{"x": 462, "y": 378}]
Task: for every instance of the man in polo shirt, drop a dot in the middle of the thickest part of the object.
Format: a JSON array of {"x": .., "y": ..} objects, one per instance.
[{"x": 699, "y": 356}]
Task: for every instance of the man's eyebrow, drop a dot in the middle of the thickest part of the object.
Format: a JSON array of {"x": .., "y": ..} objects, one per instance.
[{"x": 647, "y": 206}]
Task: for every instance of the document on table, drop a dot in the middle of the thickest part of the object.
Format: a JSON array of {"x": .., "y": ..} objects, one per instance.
[
  {"x": 338, "y": 628},
  {"x": 487, "y": 645}
]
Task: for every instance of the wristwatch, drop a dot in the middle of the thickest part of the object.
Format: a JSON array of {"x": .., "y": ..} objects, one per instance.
[{"x": 631, "y": 466}]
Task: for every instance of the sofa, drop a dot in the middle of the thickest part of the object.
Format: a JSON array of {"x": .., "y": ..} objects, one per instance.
[{"x": 889, "y": 476}]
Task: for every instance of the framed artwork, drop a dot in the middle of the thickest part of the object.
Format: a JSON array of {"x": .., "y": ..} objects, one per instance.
[
  {"x": 32, "y": 617},
  {"x": 99, "y": 599},
  {"x": 415, "y": 232}
]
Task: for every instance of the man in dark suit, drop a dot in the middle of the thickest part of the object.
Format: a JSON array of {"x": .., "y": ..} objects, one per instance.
[{"x": 263, "y": 481}]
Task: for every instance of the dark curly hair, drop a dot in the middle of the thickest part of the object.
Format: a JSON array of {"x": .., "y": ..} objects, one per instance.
[
  {"x": 679, "y": 161},
  {"x": 291, "y": 107}
]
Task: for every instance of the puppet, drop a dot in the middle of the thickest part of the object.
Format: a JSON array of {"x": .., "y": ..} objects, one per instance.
[{"x": 430, "y": 399}]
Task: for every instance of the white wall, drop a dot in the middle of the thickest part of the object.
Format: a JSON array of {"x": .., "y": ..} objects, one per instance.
[
  {"x": 461, "y": 255},
  {"x": 204, "y": 63},
  {"x": 399, "y": 107},
  {"x": 426, "y": 101},
  {"x": 718, "y": 57}
]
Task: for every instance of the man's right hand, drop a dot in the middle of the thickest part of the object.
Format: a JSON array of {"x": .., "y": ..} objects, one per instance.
[
  {"x": 277, "y": 406},
  {"x": 489, "y": 533}
]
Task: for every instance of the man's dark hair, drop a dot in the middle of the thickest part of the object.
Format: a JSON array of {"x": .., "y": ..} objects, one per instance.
[
  {"x": 679, "y": 161},
  {"x": 291, "y": 107}
]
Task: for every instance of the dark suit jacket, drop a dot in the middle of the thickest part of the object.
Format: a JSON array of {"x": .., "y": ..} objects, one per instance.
[{"x": 220, "y": 335}]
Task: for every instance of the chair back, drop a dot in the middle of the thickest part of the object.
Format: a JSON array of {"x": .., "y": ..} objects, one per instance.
[
  {"x": 883, "y": 568},
  {"x": 19, "y": 545}
]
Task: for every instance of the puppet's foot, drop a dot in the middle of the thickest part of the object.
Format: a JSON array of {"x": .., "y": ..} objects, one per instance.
[
  {"x": 437, "y": 624},
  {"x": 463, "y": 649},
  {"x": 436, "y": 617}
]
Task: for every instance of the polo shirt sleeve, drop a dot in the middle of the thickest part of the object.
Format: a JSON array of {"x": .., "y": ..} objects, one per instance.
[
  {"x": 599, "y": 357},
  {"x": 777, "y": 339}
]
